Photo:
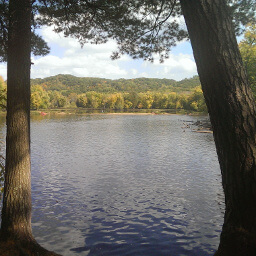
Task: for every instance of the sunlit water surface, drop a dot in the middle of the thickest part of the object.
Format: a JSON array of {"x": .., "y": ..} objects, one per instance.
[{"x": 137, "y": 185}]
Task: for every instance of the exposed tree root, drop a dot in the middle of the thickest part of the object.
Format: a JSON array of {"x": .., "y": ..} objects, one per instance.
[{"x": 15, "y": 248}]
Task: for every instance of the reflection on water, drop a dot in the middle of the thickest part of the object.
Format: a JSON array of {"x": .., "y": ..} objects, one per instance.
[{"x": 125, "y": 185}]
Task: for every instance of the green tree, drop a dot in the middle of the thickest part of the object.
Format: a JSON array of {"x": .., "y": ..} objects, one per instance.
[
  {"x": 93, "y": 99},
  {"x": 196, "y": 100},
  {"x": 172, "y": 100},
  {"x": 81, "y": 101},
  {"x": 119, "y": 104},
  {"x": 57, "y": 100},
  {"x": 110, "y": 101},
  {"x": 127, "y": 103},
  {"x": 182, "y": 102},
  {"x": 248, "y": 51},
  {"x": 160, "y": 101},
  {"x": 146, "y": 100},
  {"x": 72, "y": 99},
  {"x": 133, "y": 97},
  {"x": 2, "y": 83},
  {"x": 3, "y": 91},
  {"x": 61, "y": 101},
  {"x": 35, "y": 100},
  {"x": 39, "y": 97}
]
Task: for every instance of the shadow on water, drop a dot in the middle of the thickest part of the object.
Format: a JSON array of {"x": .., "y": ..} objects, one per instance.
[{"x": 150, "y": 242}]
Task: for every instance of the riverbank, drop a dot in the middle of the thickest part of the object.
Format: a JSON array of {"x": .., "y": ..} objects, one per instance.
[
  {"x": 80, "y": 111},
  {"x": 202, "y": 126}
]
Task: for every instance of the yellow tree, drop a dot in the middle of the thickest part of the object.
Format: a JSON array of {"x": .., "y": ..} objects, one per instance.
[
  {"x": 2, "y": 93},
  {"x": 39, "y": 97},
  {"x": 248, "y": 51}
]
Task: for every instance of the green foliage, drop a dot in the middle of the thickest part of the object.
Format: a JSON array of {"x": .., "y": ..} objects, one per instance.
[
  {"x": 81, "y": 101},
  {"x": 3, "y": 91},
  {"x": 140, "y": 28},
  {"x": 67, "y": 84},
  {"x": 146, "y": 100},
  {"x": 243, "y": 13},
  {"x": 119, "y": 104},
  {"x": 98, "y": 21},
  {"x": 152, "y": 93},
  {"x": 93, "y": 99},
  {"x": 56, "y": 92},
  {"x": 196, "y": 100},
  {"x": 248, "y": 51},
  {"x": 131, "y": 99},
  {"x": 38, "y": 45},
  {"x": 39, "y": 97}
]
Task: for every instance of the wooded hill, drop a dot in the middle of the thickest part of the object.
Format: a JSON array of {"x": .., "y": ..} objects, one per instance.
[
  {"x": 67, "y": 91},
  {"x": 68, "y": 83}
]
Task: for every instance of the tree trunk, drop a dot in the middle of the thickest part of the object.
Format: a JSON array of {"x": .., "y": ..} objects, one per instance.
[
  {"x": 16, "y": 212},
  {"x": 232, "y": 112},
  {"x": 16, "y": 234}
]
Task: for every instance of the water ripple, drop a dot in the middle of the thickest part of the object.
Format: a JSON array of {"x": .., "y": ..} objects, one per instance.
[{"x": 125, "y": 185}]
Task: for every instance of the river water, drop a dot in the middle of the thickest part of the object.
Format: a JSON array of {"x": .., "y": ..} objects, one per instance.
[{"x": 125, "y": 185}]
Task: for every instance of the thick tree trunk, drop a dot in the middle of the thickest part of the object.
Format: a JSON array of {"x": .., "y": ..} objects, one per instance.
[
  {"x": 233, "y": 117},
  {"x": 16, "y": 212},
  {"x": 16, "y": 234}
]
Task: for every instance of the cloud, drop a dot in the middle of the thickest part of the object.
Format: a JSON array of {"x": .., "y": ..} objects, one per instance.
[
  {"x": 70, "y": 58},
  {"x": 67, "y": 57},
  {"x": 3, "y": 70},
  {"x": 177, "y": 66}
]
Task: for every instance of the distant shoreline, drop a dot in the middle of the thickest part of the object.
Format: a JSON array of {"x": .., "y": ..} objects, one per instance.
[{"x": 58, "y": 112}]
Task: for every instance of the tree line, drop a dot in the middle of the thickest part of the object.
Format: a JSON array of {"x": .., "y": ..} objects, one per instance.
[
  {"x": 69, "y": 83},
  {"x": 42, "y": 99},
  {"x": 150, "y": 94}
]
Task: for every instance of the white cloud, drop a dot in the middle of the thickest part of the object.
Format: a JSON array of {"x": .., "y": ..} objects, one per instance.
[
  {"x": 3, "y": 70},
  {"x": 67, "y": 57},
  {"x": 70, "y": 58},
  {"x": 177, "y": 66}
]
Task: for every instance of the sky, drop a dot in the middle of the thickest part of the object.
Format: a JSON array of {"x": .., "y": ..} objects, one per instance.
[{"x": 67, "y": 57}]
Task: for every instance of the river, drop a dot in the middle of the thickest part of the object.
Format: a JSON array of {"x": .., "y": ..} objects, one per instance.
[{"x": 125, "y": 185}]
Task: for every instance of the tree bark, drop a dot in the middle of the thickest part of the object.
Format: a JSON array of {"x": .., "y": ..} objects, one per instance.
[
  {"x": 233, "y": 116},
  {"x": 16, "y": 233},
  {"x": 16, "y": 212}
]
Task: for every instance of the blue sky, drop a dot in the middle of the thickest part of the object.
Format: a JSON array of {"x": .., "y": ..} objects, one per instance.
[{"x": 67, "y": 57}]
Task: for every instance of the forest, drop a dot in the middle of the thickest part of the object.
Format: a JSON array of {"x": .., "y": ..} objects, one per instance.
[{"x": 67, "y": 91}]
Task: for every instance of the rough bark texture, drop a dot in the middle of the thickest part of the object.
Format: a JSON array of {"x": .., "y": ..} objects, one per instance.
[
  {"x": 16, "y": 234},
  {"x": 16, "y": 212},
  {"x": 233, "y": 117}
]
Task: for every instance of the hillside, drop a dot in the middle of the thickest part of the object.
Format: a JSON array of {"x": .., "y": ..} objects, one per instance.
[{"x": 68, "y": 83}]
